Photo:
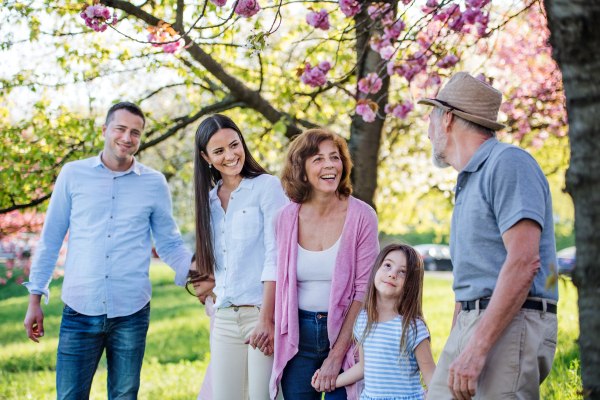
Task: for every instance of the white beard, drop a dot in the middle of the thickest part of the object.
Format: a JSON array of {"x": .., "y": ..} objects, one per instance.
[{"x": 438, "y": 146}]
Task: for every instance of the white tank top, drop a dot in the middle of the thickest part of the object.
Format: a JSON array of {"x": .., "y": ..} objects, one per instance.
[{"x": 314, "y": 273}]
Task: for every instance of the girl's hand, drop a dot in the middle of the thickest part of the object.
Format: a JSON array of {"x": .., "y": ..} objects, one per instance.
[
  {"x": 328, "y": 373},
  {"x": 314, "y": 379},
  {"x": 262, "y": 336},
  {"x": 425, "y": 394}
]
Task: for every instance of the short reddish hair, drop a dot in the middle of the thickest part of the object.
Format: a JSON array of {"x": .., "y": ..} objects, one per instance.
[{"x": 307, "y": 145}]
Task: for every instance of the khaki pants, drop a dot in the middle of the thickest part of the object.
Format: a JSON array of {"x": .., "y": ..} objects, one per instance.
[
  {"x": 237, "y": 369},
  {"x": 516, "y": 365}
]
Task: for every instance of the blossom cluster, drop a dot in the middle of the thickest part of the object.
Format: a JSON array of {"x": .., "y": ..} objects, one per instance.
[
  {"x": 247, "y": 8},
  {"x": 367, "y": 109},
  {"x": 349, "y": 7},
  {"x": 371, "y": 84},
  {"x": 163, "y": 36},
  {"x": 400, "y": 110},
  {"x": 97, "y": 16},
  {"x": 314, "y": 76},
  {"x": 319, "y": 20}
]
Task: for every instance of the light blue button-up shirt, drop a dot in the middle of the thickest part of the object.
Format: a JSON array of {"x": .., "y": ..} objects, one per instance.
[
  {"x": 109, "y": 216},
  {"x": 244, "y": 240}
]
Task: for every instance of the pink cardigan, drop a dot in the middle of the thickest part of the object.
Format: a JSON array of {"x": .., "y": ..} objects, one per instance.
[{"x": 358, "y": 249}]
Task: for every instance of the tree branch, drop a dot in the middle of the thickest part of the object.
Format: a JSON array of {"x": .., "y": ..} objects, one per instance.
[
  {"x": 226, "y": 104},
  {"x": 27, "y": 205}
]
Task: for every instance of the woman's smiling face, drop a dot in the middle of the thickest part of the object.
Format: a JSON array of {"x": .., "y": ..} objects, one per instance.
[
  {"x": 225, "y": 152},
  {"x": 324, "y": 170}
]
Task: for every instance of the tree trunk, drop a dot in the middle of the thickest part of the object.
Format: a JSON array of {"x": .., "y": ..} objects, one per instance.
[
  {"x": 365, "y": 137},
  {"x": 575, "y": 38}
]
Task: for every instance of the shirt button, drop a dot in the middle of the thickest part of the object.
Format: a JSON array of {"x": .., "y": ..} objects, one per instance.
[
  {"x": 231, "y": 197},
  {"x": 106, "y": 256},
  {"x": 113, "y": 197},
  {"x": 111, "y": 217},
  {"x": 244, "y": 211},
  {"x": 222, "y": 231},
  {"x": 107, "y": 276},
  {"x": 114, "y": 178},
  {"x": 223, "y": 250},
  {"x": 108, "y": 235}
]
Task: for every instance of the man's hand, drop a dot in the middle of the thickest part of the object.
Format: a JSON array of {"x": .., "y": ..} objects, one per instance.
[
  {"x": 34, "y": 319},
  {"x": 328, "y": 373},
  {"x": 464, "y": 372}
]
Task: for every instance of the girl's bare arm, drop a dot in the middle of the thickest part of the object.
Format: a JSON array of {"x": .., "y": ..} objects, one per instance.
[{"x": 425, "y": 360}]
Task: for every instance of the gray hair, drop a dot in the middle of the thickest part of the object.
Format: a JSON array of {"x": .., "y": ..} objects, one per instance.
[{"x": 465, "y": 124}]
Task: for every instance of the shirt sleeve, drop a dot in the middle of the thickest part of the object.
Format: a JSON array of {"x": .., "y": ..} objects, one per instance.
[
  {"x": 518, "y": 189},
  {"x": 272, "y": 199},
  {"x": 421, "y": 334},
  {"x": 366, "y": 253},
  {"x": 167, "y": 237},
  {"x": 56, "y": 225}
]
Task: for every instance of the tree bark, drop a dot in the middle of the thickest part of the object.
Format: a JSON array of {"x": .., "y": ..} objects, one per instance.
[
  {"x": 575, "y": 38},
  {"x": 365, "y": 137}
]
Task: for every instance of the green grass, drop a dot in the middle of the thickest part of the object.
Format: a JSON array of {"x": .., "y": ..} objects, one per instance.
[{"x": 177, "y": 350}]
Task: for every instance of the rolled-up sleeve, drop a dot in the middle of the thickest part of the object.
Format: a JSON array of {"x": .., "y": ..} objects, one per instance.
[
  {"x": 56, "y": 225},
  {"x": 366, "y": 253},
  {"x": 167, "y": 238},
  {"x": 271, "y": 200}
]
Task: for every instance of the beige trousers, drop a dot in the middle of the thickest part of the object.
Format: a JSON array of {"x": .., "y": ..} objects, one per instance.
[
  {"x": 516, "y": 365},
  {"x": 237, "y": 369}
]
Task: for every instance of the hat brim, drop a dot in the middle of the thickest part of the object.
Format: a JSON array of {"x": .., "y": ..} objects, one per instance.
[{"x": 488, "y": 123}]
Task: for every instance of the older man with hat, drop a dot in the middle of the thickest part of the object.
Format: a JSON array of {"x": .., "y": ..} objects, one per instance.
[{"x": 504, "y": 330}]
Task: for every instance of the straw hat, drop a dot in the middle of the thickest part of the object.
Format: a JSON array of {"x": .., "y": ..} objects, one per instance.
[{"x": 471, "y": 99}]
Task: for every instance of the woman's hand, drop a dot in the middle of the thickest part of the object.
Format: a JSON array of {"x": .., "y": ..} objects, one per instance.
[
  {"x": 262, "y": 336},
  {"x": 328, "y": 373}
]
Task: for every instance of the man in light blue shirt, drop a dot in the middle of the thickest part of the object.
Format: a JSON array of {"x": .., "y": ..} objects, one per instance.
[{"x": 108, "y": 204}]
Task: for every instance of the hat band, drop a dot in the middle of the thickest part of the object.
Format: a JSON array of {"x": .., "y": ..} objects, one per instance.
[{"x": 451, "y": 107}]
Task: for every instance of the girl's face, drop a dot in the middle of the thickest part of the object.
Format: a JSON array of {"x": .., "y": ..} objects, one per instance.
[
  {"x": 225, "y": 152},
  {"x": 324, "y": 170},
  {"x": 389, "y": 278}
]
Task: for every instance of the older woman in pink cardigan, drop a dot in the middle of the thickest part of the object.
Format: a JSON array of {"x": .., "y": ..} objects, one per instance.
[{"x": 326, "y": 246}]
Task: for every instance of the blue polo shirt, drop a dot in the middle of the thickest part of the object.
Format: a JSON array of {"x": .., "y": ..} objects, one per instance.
[{"x": 501, "y": 185}]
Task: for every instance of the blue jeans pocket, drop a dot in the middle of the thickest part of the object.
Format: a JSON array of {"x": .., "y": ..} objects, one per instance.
[{"x": 69, "y": 311}]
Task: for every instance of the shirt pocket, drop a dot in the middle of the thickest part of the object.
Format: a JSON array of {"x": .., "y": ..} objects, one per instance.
[{"x": 246, "y": 223}]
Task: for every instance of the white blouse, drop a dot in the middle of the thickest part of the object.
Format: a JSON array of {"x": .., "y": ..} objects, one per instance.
[
  {"x": 244, "y": 240},
  {"x": 314, "y": 272}
]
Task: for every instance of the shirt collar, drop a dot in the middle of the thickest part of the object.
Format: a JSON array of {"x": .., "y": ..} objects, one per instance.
[
  {"x": 244, "y": 184},
  {"x": 482, "y": 154},
  {"x": 135, "y": 167}
]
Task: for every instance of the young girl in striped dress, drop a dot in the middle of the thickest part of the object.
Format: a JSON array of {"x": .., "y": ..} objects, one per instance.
[{"x": 392, "y": 337}]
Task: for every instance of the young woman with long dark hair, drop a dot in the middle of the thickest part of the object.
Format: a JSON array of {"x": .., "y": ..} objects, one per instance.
[{"x": 236, "y": 200}]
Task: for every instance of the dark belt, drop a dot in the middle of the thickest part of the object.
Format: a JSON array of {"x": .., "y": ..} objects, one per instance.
[{"x": 529, "y": 304}]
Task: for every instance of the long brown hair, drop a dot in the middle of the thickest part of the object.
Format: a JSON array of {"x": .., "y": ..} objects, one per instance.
[
  {"x": 408, "y": 305},
  {"x": 205, "y": 179},
  {"x": 304, "y": 146}
]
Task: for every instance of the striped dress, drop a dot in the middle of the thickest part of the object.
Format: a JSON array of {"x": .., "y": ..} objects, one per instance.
[{"x": 386, "y": 376}]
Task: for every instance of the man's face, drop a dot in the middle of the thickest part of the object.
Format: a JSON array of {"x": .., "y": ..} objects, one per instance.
[
  {"x": 439, "y": 140},
  {"x": 122, "y": 135}
]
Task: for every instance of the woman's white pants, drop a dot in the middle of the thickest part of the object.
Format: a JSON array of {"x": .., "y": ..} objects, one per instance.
[{"x": 238, "y": 370}]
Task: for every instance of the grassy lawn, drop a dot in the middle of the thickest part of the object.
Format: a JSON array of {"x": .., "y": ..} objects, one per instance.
[{"x": 177, "y": 348}]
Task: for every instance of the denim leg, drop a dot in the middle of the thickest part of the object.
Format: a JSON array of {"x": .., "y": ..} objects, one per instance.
[
  {"x": 323, "y": 349},
  {"x": 80, "y": 346},
  {"x": 297, "y": 374},
  {"x": 125, "y": 346}
]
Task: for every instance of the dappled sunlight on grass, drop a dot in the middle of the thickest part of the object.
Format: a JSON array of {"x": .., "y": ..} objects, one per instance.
[{"x": 177, "y": 350}]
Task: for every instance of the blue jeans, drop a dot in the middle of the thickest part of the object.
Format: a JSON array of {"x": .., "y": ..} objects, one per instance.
[
  {"x": 313, "y": 349},
  {"x": 81, "y": 343}
]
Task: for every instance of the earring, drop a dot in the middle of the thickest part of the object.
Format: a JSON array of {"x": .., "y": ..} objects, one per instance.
[{"x": 209, "y": 165}]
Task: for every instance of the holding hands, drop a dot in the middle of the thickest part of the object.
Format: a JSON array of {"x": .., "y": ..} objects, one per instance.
[{"x": 262, "y": 336}]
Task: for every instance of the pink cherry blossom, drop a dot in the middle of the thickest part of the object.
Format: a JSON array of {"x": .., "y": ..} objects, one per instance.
[
  {"x": 349, "y": 7},
  {"x": 219, "y": 3},
  {"x": 370, "y": 84},
  {"x": 315, "y": 76},
  {"x": 378, "y": 9},
  {"x": 319, "y": 20},
  {"x": 447, "y": 61},
  {"x": 173, "y": 47},
  {"x": 2, "y": 281},
  {"x": 247, "y": 8},
  {"x": 432, "y": 3},
  {"x": 377, "y": 43},
  {"x": 394, "y": 30},
  {"x": 106, "y": 13},
  {"x": 471, "y": 14},
  {"x": 476, "y": 3},
  {"x": 387, "y": 52},
  {"x": 365, "y": 111},
  {"x": 400, "y": 110}
]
